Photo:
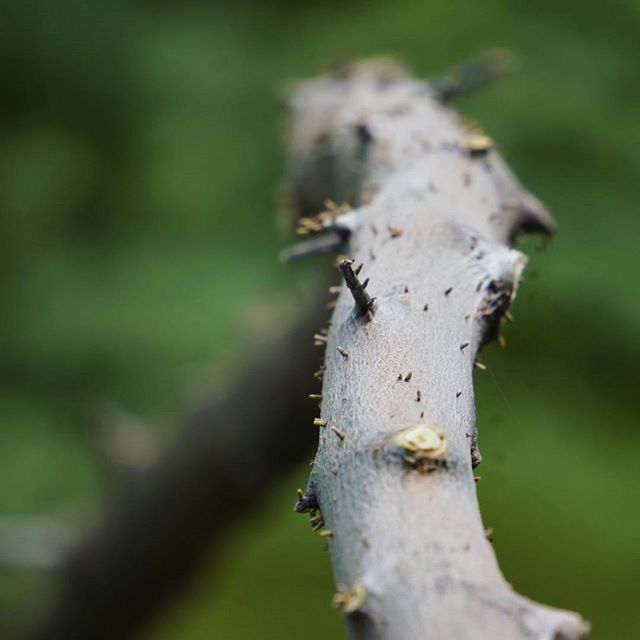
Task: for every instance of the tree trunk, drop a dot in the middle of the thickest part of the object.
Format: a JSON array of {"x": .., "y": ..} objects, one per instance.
[{"x": 437, "y": 210}]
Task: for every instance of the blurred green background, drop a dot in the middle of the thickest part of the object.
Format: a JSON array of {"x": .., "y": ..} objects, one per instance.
[{"x": 139, "y": 162}]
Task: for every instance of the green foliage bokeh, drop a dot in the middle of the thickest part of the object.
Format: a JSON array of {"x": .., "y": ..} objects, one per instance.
[{"x": 139, "y": 161}]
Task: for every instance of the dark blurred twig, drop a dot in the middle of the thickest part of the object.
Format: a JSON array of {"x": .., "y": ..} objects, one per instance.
[
  {"x": 224, "y": 462},
  {"x": 473, "y": 74}
]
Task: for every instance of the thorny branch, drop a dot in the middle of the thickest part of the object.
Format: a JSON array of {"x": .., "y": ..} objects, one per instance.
[{"x": 393, "y": 476}]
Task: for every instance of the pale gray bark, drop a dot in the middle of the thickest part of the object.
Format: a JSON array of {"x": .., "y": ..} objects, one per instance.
[{"x": 437, "y": 212}]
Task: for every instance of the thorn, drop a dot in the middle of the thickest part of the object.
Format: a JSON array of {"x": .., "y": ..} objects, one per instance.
[
  {"x": 327, "y": 242},
  {"x": 363, "y": 301},
  {"x": 316, "y": 520},
  {"x": 502, "y": 343},
  {"x": 394, "y": 232},
  {"x": 358, "y": 269},
  {"x": 371, "y": 254},
  {"x": 326, "y": 533},
  {"x": 343, "y": 352},
  {"x": 341, "y": 434},
  {"x": 489, "y": 534},
  {"x": 319, "y": 422},
  {"x": 464, "y": 345},
  {"x": 300, "y": 494},
  {"x": 400, "y": 377},
  {"x": 477, "y": 478},
  {"x": 365, "y": 284},
  {"x": 418, "y": 396},
  {"x": 458, "y": 394},
  {"x": 422, "y": 414},
  {"x": 320, "y": 338},
  {"x": 408, "y": 377},
  {"x": 508, "y": 316},
  {"x": 479, "y": 365},
  {"x": 448, "y": 291},
  {"x": 335, "y": 289},
  {"x": 426, "y": 307},
  {"x": 315, "y": 396},
  {"x": 406, "y": 289}
]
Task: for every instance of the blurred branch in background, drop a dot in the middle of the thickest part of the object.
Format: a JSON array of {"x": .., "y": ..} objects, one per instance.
[{"x": 226, "y": 460}]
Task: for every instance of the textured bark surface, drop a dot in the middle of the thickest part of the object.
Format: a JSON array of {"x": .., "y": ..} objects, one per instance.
[{"x": 437, "y": 211}]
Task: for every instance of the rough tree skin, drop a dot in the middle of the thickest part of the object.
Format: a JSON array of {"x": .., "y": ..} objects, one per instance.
[{"x": 436, "y": 212}]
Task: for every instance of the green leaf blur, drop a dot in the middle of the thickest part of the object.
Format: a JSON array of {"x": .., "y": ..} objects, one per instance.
[{"x": 140, "y": 157}]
